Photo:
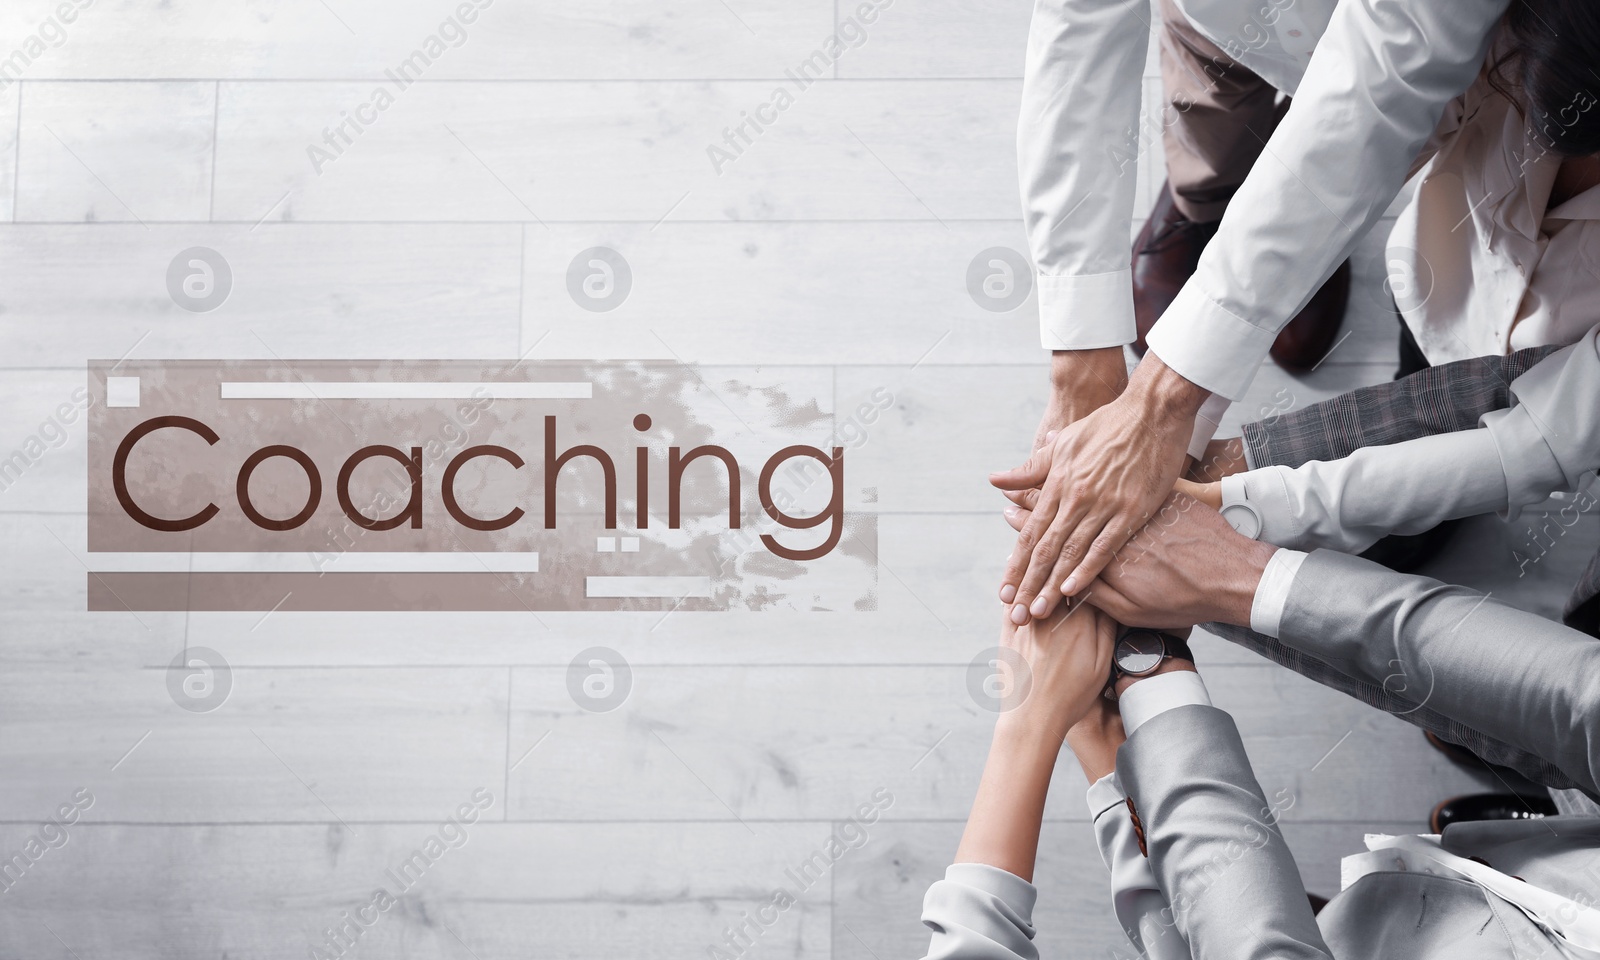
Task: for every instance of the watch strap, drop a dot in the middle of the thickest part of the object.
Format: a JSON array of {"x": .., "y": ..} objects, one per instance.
[{"x": 1177, "y": 646}]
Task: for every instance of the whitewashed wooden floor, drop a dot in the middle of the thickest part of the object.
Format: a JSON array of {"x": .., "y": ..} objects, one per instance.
[{"x": 834, "y": 250}]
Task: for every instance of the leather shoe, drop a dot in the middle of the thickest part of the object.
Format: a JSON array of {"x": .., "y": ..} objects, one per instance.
[
  {"x": 1307, "y": 338},
  {"x": 1490, "y": 806},
  {"x": 1166, "y": 254}
]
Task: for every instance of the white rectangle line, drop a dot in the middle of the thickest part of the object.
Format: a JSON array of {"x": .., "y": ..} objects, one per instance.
[
  {"x": 307, "y": 562},
  {"x": 385, "y": 390},
  {"x": 672, "y": 588}
]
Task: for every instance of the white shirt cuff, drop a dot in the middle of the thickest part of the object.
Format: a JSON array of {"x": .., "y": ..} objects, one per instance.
[
  {"x": 1152, "y": 696},
  {"x": 1206, "y": 423},
  {"x": 1207, "y": 345},
  {"x": 1272, "y": 593},
  {"x": 1104, "y": 794},
  {"x": 1086, "y": 312}
]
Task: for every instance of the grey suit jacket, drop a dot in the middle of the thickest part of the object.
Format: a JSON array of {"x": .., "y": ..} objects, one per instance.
[
  {"x": 1531, "y": 683},
  {"x": 1440, "y": 399},
  {"x": 1215, "y": 848}
]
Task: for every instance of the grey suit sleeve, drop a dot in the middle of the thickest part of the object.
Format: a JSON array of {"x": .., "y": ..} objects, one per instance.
[
  {"x": 1527, "y": 681},
  {"x": 1214, "y": 842}
]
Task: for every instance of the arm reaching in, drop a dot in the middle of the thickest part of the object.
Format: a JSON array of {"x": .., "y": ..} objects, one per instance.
[
  {"x": 1543, "y": 437},
  {"x": 982, "y": 909},
  {"x": 1513, "y": 676}
]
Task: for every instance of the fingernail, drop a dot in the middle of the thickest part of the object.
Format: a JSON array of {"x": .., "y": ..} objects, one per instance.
[
  {"x": 1008, "y": 593},
  {"x": 1040, "y": 607},
  {"x": 1069, "y": 586},
  {"x": 1019, "y": 615},
  {"x": 1011, "y": 511}
]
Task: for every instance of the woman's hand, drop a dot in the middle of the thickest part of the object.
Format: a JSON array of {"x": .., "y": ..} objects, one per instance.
[
  {"x": 1209, "y": 494},
  {"x": 1095, "y": 738},
  {"x": 1068, "y": 657},
  {"x": 1223, "y": 458}
]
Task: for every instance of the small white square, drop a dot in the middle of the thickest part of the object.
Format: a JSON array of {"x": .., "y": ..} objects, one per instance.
[
  {"x": 122, "y": 391},
  {"x": 605, "y": 544},
  {"x": 630, "y": 544}
]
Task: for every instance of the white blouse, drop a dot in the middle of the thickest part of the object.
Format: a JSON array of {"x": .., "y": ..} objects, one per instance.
[{"x": 1478, "y": 262}]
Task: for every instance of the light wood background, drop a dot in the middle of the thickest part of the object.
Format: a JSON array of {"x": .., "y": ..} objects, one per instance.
[{"x": 833, "y": 252}]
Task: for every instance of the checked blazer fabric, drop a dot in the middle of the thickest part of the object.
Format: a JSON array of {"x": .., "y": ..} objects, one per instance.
[{"x": 1440, "y": 399}]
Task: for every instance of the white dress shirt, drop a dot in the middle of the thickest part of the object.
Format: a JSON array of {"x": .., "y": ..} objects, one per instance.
[
  {"x": 1479, "y": 261},
  {"x": 1548, "y": 443},
  {"x": 1365, "y": 102}
]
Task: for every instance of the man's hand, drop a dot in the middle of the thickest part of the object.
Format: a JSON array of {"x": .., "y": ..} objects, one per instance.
[
  {"x": 1081, "y": 382},
  {"x": 1186, "y": 566},
  {"x": 1100, "y": 479},
  {"x": 1069, "y": 663}
]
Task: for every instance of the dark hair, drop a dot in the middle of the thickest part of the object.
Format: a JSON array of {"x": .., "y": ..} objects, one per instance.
[{"x": 1554, "y": 46}]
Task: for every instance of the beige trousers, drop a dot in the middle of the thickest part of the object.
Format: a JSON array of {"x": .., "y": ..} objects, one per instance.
[{"x": 1218, "y": 118}]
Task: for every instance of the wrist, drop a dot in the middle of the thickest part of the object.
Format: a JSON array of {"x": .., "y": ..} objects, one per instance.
[
  {"x": 1094, "y": 741},
  {"x": 1081, "y": 381},
  {"x": 1028, "y": 740},
  {"x": 1164, "y": 392},
  {"x": 1239, "y": 580}
]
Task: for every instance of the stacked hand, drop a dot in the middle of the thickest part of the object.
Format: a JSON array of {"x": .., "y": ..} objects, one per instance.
[
  {"x": 1068, "y": 656},
  {"x": 1093, "y": 485}
]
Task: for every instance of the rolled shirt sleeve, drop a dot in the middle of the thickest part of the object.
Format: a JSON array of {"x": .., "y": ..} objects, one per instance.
[
  {"x": 1551, "y": 439},
  {"x": 1077, "y": 147},
  {"x": 1371, "y": 96},
  {"x": 980, "y": 912}
]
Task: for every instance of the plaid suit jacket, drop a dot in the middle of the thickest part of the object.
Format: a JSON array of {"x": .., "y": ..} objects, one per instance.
[{"x": 1440, "y": 399}]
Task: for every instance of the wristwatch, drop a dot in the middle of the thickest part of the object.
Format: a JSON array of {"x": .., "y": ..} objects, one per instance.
[{"x": 1139, "y": 652}]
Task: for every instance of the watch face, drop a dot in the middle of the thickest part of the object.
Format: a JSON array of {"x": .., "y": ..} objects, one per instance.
[{"x": 1139, "y": 652}]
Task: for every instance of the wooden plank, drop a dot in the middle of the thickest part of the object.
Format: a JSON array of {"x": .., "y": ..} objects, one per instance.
[
  {"x": 360, "y": 39},
  {"x": 313, "y": 745},
  {"x": 128, "y": 152},
  {"x": 317, "y": 291},
  {"x": 560, "y": 890},
  {"x": 44, "y": 431},
  {"x": 10, "y": 102},
  {"x": 785, "y": 742},
  {"x": 951, "y": 38},
  {"x": 782, "y": 293},
  {"x": 620, "y": 151},
  {"x": 940, "y": 39}
]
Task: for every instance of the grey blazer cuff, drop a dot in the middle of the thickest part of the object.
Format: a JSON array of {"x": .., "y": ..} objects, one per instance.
[{"x": 1214, "y": 843}]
